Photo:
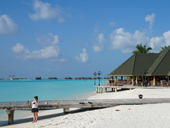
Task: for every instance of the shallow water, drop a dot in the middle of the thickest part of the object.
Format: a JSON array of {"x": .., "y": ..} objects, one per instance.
[{"x": 24, "y": 90}]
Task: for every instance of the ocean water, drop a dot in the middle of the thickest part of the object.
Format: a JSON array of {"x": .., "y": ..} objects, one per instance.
[{"x": 24, "y": 90}]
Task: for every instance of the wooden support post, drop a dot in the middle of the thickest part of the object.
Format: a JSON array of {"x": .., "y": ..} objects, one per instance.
[
  {"x": 96, "y": 89},
  {"x": 10, "y": 116},
  {"x": 115, "y": 89},
  {"x": 154, "y": 80},
  {"x": 121, "y": 77},
  {"x": 136, "y": 80},
  {"x": 101, "y": 90},
  {"x": 105, "y": 89},
  {"x": 148, "y": 81},
  {"x": 112, "y": 77},
  {"x": 66, "y": 110},
  {"x": 133, "y": 80},
  {"x": 115, "y": 78}
]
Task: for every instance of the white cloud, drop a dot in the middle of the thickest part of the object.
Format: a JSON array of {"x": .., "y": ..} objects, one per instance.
[
  {"x": 83, "y": 56},
  {"x": 125, "y": 41},
  {"x": 99, "y": 46},
  {"x": 112, "y": 24},
  {"x": 160, "y": 41},
  {"x": 150, "y": 19},
  {"x": 51, "y": 52},
  {"x": 156, "y": 43},
  {"x": 56, "y": 39},
  {"x": 45, "y": 53},
  {"x": 7, "y": 25},
  {"x": 44, "y": 11},
  {"x": 50, "y": 39},
  {"x": 166, "y": 35},
  {"x": 20, "y": 50}
]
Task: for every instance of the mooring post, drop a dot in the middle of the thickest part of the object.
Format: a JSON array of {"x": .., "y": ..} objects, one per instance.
[
  {"x": 101, "y": 90},
  {"x": 96, "y": 89},
  {"x": 66, "y": 110},
  {"x": 10, "y": 116}
]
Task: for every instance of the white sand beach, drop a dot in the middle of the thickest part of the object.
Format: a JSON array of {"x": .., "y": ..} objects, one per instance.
[{"x": 125, "y": 116}]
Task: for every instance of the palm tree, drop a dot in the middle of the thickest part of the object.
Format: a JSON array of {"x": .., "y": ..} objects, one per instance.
[
  {"x": 141, "y": 49},
  {"x": 162, "y": 48}
]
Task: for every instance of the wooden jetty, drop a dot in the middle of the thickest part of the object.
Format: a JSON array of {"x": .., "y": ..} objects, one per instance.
[
  {"x": 102, "y": 88},
  {"x": 66, "y": 104}
]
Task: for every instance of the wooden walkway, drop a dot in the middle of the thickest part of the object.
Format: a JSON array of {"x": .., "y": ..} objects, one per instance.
[
  {"x": 101, "y": 88},
  {"x": 66, "y": 104}
]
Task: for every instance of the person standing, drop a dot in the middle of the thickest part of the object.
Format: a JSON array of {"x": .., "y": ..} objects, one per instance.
[{"x": 34, "y": 109}]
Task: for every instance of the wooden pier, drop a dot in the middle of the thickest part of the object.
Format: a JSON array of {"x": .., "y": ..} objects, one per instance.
[
  {"x": 102, "y": 88},
  {"x": 66, "y": 104}
]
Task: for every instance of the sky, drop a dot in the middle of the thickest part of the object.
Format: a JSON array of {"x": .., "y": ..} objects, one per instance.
[{"x": 61, "y": 38}]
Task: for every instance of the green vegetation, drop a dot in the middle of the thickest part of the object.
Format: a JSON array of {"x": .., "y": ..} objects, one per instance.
[
  {"x": 15, "y": 79},
  {"x": 162, "y": 48},
  {"x": 141, "y": 49}
]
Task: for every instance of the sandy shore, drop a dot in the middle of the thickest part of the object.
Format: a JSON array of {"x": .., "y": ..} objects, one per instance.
[{"x": 127, "y": 116}]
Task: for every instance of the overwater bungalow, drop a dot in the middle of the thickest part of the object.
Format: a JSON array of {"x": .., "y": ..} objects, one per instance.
[
  {"x": 68, "y": 78},
  {"x": 97, "y": 78},
  {"x": 87, "y": 78},
  {"x": 80, "y": 78},
  {"x": 52, "y": 78},
  {"x": 37, "y": 78},
  {"x": 107, "y": 77},
  {"x": 143, "y": 69}
]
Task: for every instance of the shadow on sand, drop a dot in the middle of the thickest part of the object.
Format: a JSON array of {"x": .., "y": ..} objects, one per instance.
[{"x": 20, "y": 121}]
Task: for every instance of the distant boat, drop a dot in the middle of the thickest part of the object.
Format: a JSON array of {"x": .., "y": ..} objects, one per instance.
[
  {"x": 37, "y": 78},
  {"x": 68, "y": 78},
  {"x": 52, "y": 78}
]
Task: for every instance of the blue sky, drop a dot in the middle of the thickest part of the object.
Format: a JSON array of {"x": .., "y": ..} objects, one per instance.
[{"x": 75, "y": 38}]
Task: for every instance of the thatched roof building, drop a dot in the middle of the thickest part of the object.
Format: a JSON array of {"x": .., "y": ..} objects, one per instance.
[{"x": 154, "y": 65}]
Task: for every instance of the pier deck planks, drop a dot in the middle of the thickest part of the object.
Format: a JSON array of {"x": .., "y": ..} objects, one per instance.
[{"x": 52, "y": 104}]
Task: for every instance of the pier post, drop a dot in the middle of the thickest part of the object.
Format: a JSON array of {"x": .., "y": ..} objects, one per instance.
[
  {"x": 101, "y": 90},
  {"x": 96, "y": 89},
  {"x": 148, "y": 81},
  {"x": 66, "y": 110},
  {"x": 133, "y": 80},
  {"x": 115, "y": 89},
  {"x": 10, "y": 116},
  {"x": 168, "y": 80},
  {"x": 105, "y": 89},
  {"x": 154, "y": 80}
]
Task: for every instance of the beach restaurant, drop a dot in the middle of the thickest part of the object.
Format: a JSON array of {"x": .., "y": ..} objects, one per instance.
[{"x": 143, "y": 69}]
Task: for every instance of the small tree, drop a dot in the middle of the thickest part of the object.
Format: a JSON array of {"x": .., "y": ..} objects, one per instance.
[
  {"x": 141, "y": 49},
  {"x": 162, "y": 48}
]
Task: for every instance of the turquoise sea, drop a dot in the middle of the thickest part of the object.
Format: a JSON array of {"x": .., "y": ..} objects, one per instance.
[{"x": 24, "y": 90}]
